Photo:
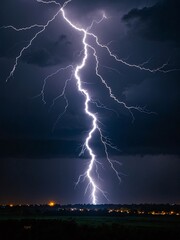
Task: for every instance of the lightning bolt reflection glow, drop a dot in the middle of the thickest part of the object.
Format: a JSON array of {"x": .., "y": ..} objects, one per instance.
[{"x": 76, "y": 73}]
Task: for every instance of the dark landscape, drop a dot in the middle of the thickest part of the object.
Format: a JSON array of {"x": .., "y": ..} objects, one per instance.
[{"x": 143, "y": 221}]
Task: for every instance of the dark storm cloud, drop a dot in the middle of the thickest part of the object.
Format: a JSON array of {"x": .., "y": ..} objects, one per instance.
[
  {"x": 52, "y": 53},
  {"x": 85, "y": 9},
  {"x": 48, "y": 49},
  {"x": 46, "y": 52},
  {"x": 34, "y": 148},
  {"x": 95, "y": 4},
  {"x": 159, "y": 22},
  {"x": 52, "y": 49}
]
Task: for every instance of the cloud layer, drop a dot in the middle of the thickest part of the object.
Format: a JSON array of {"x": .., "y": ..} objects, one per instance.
[{"x": 159, "y": 22}]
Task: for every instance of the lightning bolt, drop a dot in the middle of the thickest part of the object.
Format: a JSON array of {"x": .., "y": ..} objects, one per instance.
[
  {"x": 76, "y": 74},
  {"x": 43, "y": 28}
]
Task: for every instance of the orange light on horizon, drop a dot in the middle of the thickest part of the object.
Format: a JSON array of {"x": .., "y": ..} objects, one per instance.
[{"x": 51, "y": 203}]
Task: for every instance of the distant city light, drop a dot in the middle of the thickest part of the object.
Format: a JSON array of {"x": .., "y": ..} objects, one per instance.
[{"x": 51, "y": 203}]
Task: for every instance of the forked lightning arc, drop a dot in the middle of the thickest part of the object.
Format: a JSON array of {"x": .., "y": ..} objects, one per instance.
[{"x": 91, "y": 173}]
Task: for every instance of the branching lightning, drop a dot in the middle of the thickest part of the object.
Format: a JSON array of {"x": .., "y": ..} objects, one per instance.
[
  {"x": 43, "y": 28},
  {"x": 87, "y": 50}
]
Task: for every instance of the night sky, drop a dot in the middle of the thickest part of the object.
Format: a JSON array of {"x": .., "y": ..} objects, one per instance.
[{"x": 40, "y": 152}]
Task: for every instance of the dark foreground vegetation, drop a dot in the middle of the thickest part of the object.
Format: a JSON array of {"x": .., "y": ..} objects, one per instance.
[{"x": 91, "y": 228}]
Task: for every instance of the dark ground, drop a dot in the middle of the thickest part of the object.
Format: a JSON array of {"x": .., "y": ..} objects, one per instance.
[{"x": 89, "y": 228}]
